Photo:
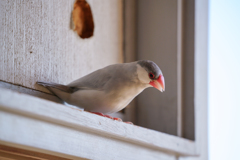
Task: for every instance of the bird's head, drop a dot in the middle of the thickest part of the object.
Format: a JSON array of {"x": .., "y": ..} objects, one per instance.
[{"x": 149, "y": 73}]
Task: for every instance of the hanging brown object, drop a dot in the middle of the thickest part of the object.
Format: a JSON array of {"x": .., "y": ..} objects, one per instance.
[{"x": 83, "y": 19}]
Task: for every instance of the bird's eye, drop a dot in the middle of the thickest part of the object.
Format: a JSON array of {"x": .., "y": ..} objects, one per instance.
[{"x": 151, "y": 75}]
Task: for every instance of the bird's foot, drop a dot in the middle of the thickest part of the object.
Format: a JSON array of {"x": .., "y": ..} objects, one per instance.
[
  {"x": 129, "y": 123},
  {"x": 114, "y": 118},
  {"x": 104, "y": 115}
]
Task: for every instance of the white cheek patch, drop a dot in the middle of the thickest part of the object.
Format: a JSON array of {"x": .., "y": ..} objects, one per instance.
[{"x": 142, "y": 74}]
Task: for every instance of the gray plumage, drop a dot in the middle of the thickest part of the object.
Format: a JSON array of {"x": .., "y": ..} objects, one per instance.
[{"x": 106, "y": 90}]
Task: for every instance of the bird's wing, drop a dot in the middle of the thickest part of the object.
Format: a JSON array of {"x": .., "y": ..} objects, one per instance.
[
  {"x": 57, "y": 86},
  {"x": 105, "y": 79},
  {"x": 94, "y": 81},
  {"x": 108, "y": 78}
]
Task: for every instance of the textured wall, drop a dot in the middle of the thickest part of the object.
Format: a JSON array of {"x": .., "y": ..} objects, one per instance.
[{"x": 37, "y": 42}]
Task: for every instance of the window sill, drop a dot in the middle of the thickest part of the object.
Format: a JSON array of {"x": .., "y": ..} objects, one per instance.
[{"x": 35, "y": 123}]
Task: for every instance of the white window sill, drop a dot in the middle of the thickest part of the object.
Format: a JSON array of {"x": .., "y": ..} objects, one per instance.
[{"x": 38, "y": 124}]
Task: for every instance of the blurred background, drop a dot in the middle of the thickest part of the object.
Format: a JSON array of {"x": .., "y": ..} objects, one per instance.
[{"x": 224, "y": 78}]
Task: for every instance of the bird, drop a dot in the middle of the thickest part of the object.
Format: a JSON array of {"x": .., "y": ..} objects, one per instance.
[{"x": 110, "y": 89}]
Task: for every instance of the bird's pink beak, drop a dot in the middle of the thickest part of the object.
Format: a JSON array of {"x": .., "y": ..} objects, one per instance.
[{"x": 159, "y": 83}]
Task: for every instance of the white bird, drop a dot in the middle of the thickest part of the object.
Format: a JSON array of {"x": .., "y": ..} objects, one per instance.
[{"x": 111, "y": 88}]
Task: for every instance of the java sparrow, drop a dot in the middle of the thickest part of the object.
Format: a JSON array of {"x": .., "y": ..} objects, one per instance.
[{"x": 111, "y": 88}]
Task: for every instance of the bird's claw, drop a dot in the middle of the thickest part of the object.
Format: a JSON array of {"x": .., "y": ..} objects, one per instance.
[
  {"x": 129, "y": 123},
  {"x": 98, "y": 113},
  {"x": 114, "y": 118},
  {"x": 117, "y": 119},
  {"x": 108, "y": 116}
]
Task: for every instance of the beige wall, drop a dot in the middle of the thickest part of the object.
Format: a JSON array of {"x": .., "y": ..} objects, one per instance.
[{"x": 37, "y": 42}]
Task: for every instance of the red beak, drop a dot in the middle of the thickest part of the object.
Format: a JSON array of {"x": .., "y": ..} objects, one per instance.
[{"x": 159, "y": 83}]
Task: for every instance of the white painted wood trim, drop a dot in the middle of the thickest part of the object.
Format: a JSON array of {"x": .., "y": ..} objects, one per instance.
[
  {"x": 201, "y": 80},
  {"x": 25, "y": 107}
]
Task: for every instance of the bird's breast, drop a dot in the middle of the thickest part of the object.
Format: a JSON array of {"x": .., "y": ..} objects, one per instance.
[{"x": 124, "y": 96}]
